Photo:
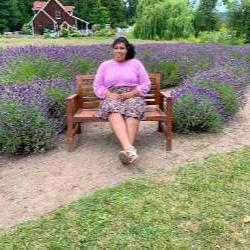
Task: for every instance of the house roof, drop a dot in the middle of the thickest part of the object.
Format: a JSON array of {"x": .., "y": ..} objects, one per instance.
[
  {"x": 69, "y": 8},
  {"x": 45, "y": 4},
  {"x": 38, "y": 5}
]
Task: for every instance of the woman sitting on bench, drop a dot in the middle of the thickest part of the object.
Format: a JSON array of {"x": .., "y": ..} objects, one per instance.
[{"x": 122, "y": 83}]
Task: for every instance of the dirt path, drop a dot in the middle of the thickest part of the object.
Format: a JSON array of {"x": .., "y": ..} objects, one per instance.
[{"x": 36, "y": 185}]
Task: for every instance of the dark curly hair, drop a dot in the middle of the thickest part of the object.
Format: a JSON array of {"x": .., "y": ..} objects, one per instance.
[{"x": 130, "y": 47}]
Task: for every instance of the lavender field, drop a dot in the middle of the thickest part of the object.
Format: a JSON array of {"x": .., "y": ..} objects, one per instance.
[{"x": 209, "y": 82}]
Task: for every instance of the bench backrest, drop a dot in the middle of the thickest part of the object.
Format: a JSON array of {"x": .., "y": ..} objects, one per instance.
[{"x": 84, "y": 84}]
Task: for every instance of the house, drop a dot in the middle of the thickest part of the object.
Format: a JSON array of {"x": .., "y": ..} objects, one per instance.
[{"x": 53, "y": 15}]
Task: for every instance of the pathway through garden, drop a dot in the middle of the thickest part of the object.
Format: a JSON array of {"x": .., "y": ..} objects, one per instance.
[{"x": 36, "y": 185}]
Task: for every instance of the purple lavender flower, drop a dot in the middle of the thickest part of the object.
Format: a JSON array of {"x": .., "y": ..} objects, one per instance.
[
  {"x": 198, "y": 91},
  {"x": 35, "y": 93}
]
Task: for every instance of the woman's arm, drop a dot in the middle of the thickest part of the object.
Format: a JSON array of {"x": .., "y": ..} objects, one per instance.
[
  {"x": 143, "y": 79},
  {"x": 98, "y": 84},
  {"x": 144, "y": 83}
]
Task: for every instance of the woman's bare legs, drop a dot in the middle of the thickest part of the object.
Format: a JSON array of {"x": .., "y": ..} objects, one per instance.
[
  {"x": 132, "y": 126},
  {"x": 125, "y": 130},
  {"x": 119, "y": 128}
]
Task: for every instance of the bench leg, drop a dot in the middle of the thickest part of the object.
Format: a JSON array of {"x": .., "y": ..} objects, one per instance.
[
  {"x": 79, "y": 130},
  {"x": 71, "y": 146},
  {"x": 70, "y": 136},
  {"x": 159, "y": 127},
  {"x": 168, "y": 133}
]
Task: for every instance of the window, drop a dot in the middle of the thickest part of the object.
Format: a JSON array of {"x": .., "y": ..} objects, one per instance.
[{"x": 58, "y": 14}]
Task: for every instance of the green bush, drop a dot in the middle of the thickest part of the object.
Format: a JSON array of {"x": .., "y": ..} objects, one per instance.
[
  {"x": 28, "y": 68},
  {"x": 73, "y": 32},
  {"x": 196, "y": 112},
  {"x": 69, "y": 32},
  {"x": 26, "y": 29},
  {"x": 58, "y": 95},
  {"x": 247, "y": 58},
  {"x": 64, "y": 32},
  {"x": 80, "y": 65},
  {"x": 49, "y": 33},
  {"x": 170, "y": 73},
  {"x": 23, "y": 129},
  {"x": 105, "y": 32},
  {"x": 227, "y": 94},
  {"x": 221, "y": 37}
]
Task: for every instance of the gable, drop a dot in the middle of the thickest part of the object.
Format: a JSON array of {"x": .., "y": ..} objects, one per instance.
[
  {"x": 40, "y": 15},
  {"x": 54, "y": 5},
  {"x": 38, "y": 5}
]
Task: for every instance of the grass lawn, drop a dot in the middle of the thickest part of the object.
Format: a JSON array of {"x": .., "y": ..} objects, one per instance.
[{"x": 202, "y": 208}]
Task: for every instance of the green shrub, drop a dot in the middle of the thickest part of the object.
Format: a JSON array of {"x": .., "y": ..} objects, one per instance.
[
  {"x": 221, "y": 37},
  {"x": 49, "y": 33},
  {"x": 73, "y": 32},
  {"x": 40, "y": 67},
  {"x": 26, "y": 29},
  {"x": 28, "y": 68},
  {"x": 64, "y": 32},
  {"x": 80, "y": 65},
  {"x": 247, "y": 58},
  {"x": 196, "y": 112},
  {"x": 105, "y": 32},
  {"x": 227, "y": 94},
  {"x": 58, "y": 95},
  {"x": 69, "y": 32},
  {"x": 170, "y": 73},
  {"x": 23, "y": 129}
]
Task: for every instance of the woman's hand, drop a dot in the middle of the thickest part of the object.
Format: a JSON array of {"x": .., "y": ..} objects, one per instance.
[
  {"x": 130, "y": 94},
  {"x": 113, "y": 95}
]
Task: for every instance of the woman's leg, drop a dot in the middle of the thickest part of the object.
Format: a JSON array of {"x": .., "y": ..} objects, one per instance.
[
  {"x": 132, "y": 125},
  {"x": 119, "y": 128}
]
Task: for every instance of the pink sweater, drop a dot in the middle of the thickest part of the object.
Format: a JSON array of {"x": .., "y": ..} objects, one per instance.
[{"x": 115, "y": 74}]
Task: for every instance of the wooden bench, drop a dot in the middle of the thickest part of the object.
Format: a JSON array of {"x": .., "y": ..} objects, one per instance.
[{"x": 83, "y": 106}]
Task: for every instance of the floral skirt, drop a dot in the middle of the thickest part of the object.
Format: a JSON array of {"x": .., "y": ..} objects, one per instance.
[{"x": 133, "y": 107}]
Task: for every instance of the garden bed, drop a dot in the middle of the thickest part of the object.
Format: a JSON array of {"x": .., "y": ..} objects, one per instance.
[{"x": 209, "y": 81}]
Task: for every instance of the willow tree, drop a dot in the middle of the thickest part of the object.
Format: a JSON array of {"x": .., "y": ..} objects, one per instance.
[
  {"x": 206, "y": 17},
  {"x": 163, "y": 19},
  {"x": 239, "y": 18}
]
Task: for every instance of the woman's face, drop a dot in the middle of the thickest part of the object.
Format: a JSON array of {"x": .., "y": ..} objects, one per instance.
[{"x": 119, "y": 52}]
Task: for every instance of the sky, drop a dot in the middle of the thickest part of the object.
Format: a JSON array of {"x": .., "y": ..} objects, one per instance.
[{"x": 220, "y": 6}]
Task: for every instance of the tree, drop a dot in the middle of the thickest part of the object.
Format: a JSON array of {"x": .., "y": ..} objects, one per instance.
[
  {"x": 205, "y": 16},
  {"x": 83, "y": 9},
  {"x": 130, "y": 6},
  {"x": 8, "y": 15},
  {"x": 239, "y": 18},
  {"x": 167, "y": 19},
  {"x": 116, "y": 9},
  {"x": 100, "y": 15},
  {"x": 25, "y": 12}
]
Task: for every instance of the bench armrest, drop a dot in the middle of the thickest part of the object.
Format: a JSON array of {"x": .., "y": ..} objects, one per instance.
[
  {"x": 168, "y": 107},
  {"x": 72, "y": 97},
  {"x": 72, "y": 104},
  {"x": 165, "y": 95}
]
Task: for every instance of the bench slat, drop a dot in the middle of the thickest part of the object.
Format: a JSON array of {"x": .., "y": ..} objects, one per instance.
[{"x": 152, "y": 114}]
